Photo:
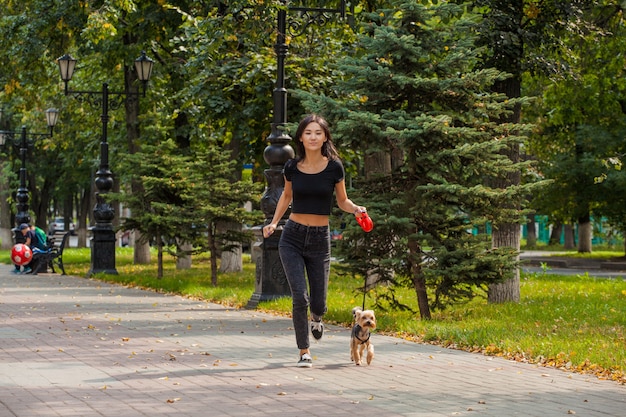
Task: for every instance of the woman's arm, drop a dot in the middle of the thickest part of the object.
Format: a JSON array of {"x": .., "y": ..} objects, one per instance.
[
  {"x": 281, "y": 207},
  {"x": 344, "y": 202}
]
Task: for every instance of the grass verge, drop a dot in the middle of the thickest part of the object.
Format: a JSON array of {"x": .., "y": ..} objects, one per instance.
[{"x": 575, "y": 323}]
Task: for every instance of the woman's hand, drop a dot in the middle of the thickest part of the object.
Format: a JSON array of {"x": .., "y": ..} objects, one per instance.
[
  {"x": 269, "y": 230},
  {"x": 359, "y": 211}
]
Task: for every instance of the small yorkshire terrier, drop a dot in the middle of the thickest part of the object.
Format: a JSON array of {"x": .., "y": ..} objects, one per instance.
[{"x": 364, "y": 322}]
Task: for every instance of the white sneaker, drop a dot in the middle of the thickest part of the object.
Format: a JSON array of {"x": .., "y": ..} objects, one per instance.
[
  {"x": 305, "y": 361},
  {"x": 317, "y": 329}
]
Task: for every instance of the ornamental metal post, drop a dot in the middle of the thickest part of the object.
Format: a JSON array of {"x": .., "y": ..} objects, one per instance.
[
  {"x": 270, "y": 282},
  {"x": 22, "y": 196},
  {"x": 103, "y": 236}
]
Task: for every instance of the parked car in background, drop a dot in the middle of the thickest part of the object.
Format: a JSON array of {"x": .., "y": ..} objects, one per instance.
[{"x": 58, "y": 225}]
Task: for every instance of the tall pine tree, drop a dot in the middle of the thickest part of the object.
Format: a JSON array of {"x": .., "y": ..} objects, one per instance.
[
  {"x": 415, "y": 92},
  {"x": 184, "y": 197}
]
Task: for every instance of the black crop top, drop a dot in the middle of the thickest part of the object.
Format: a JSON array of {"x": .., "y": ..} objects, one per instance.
[{"x": 313, "y": 193}]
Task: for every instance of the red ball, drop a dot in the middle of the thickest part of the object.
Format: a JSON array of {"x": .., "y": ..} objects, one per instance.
[{"x": 21, "y": 254}]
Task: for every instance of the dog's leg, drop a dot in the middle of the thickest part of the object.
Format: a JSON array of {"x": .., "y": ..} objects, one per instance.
[
  {"x": 370, "y": 353},
  {"x": 360, "y": 353}
]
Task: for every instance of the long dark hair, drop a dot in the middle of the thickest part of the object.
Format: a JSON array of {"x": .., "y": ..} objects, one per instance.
[{"x": 328, "y": 149}]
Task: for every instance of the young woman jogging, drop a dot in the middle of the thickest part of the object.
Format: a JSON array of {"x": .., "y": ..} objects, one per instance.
[{"x": 310, "y": 181}]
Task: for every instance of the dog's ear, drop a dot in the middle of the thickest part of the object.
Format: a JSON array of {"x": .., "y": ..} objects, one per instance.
[{"x": 357, "y": 315}]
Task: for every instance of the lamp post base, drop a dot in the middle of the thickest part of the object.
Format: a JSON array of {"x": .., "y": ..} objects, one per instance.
[
  {"x": 271, "y": 282},
  {"x": 102, "y": 252}
]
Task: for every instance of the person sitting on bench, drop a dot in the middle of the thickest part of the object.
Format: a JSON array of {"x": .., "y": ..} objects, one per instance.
[{"x": 34, "y": 243}]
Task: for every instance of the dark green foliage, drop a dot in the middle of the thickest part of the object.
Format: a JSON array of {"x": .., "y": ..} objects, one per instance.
[
  {"x": 185, "y": 196},
  {"x": 415, "y": 92}
]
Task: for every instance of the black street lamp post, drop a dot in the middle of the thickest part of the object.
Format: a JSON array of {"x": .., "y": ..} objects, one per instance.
[
  {"x": 271, "y": 282},
  {"x": 25, "y": 140},
  {"x": 103, "y": 240}
]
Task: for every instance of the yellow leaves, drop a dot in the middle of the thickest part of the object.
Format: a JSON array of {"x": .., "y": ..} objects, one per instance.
[
  {"x": 11, "y": 86},
  {"x": 492, "y": 350},
  {"x": 531, "y": 11}
]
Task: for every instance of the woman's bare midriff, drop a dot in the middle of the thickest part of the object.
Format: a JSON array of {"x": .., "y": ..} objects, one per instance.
[{"x": 309, "y": 219}]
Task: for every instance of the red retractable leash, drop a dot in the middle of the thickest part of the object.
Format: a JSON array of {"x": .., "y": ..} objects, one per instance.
[
  {"x": 365, "y": 222},
  {"x": 367, "y": 225}
]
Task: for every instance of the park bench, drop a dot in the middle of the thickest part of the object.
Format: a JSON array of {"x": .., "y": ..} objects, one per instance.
[{"x": 52, "y": 256}]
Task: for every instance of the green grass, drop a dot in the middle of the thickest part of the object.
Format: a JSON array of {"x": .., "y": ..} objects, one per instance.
[{"x": 571, "y": 322}]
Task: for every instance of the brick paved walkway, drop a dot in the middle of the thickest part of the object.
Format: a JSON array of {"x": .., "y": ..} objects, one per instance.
[{"x": 77, "y": 347}]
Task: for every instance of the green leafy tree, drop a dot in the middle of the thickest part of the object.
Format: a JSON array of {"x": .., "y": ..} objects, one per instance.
[
  {"x": 232, "y": 65},
  {"x": 526, "y": 37},
  {"x": 580, "y": 142}
]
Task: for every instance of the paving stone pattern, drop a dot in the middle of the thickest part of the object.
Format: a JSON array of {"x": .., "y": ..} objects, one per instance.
[{"x": 79, "y": 347}]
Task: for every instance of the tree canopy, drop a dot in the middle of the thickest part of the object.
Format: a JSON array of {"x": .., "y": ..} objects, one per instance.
[{"x": 435, "y": 89}]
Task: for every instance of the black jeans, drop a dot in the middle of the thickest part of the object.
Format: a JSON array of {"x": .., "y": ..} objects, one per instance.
[{"x": 306, "y": 248}]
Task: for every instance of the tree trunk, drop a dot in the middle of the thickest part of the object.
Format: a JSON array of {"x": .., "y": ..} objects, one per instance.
[
  {"x": 555, "y": 234},
  {"x": 6, "y": 236},
  {"x": 81, "y": 227},
  {"x": 508, "y": 234},
  {"x": 213, "y": 248},
  {"x": 159, "y": 256},
  {"x": 142, "y": 247},
  {"x": 419, "y": 282},
  {"x": 509, "y": 290},
  {"x": 377, "y": 163},
  {"x": 569, "y": 237},
  {"x": 584, "y": 234},
  {"x": 231, "y": 261},
  {"x": 184, "y": 261},
  {"x": 141, "y": 254}
]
